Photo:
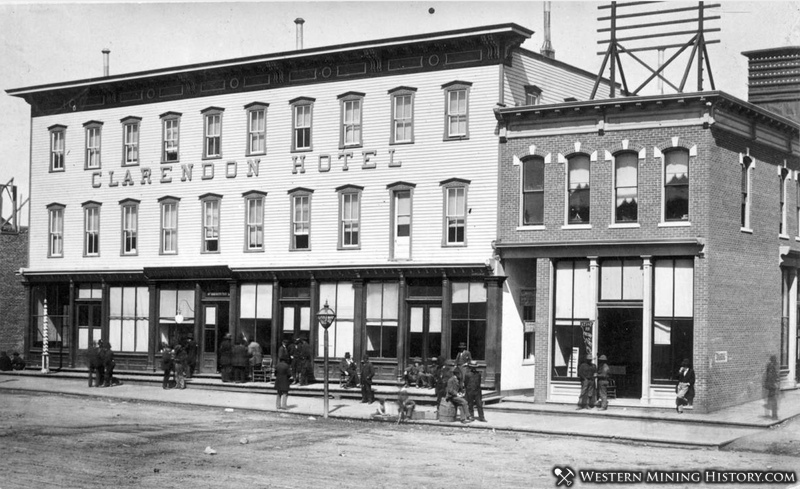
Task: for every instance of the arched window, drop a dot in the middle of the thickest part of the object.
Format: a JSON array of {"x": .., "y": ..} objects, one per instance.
[
  {"x": 676, "y": 185},
  {"x": 579, "y": 198},
  {"x": 626, "y": 187}
]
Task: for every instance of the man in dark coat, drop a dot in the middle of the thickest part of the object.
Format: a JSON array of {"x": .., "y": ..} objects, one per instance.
[
  {"x": 107, "y": 357},
  {"x": 440, "y": 377},
  {"x": 17, "y": 363},
  {"x": 472, "y": 386},
  {"x": 225, "y": 358},
  {"x": 5, "y": 364},
  {"x": 367, "y": 372},
  {"x": 240, "y": 360},
  {"x": 586, "y": 373},
  {"x": 306, "y": 363},
  {"x": 283, "y": 351},
  {"x": 282, "y": 372},
  {"x": 101, "y": 368},
  {"x": 191, "y": 356},
  {"x": 462, "y": 359},
  {"x": 603, "y": 373},
  {"x": 167, "y": 363},
  {"x": 454, "y": 395},
  {"x": 294, "y": 352},
  {"x": 92, "y": 358},
  {"x": 181, "y": 366}
]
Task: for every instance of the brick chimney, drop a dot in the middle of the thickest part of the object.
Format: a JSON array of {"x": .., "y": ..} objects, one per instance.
[{"x": 774, "y": 80}]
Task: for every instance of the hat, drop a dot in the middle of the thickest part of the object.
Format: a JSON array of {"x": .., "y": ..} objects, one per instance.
[
  {"x": 462, "y": 345},
  {"x": 589, "y": 356},
  {"x": 685, "y": 362},
  {"x": 364, "y": 358},
  {"x": 450, "y": 363},
  {"x": 603, "y": 357},
  {"x": 434, "y": 359},
  {"x": 473, "y": 363},
  {"x": 347, "y": 354}
]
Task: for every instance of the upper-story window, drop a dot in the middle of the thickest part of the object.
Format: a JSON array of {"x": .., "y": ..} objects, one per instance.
[
  {"x": 256, "y": 128},
  {"x": 130, "y": 226},
  {"x": 401, "y": 194},
  {"x": 211, "y": 209},
  {"x": 676, "y": 185},
  {"x": 350, "y": 119},
  {"x": 747, "y": 184},
  {"x": 784, "y": 175},
  {"x": 169, "y": 225},
  {"x": 456, "y": 109},
  {"x": 130, "y": 140},
  {"x": 212, "y": 132},
  {"x": 533, "y": 191},
  {"x": 301, "y": 218},
  {"x": 93, "y": 131},
  {"x": 171, "y": 122},
  {"x": 455, "y": 212},
  {"x": 91, "y": 234},
  {"x": 578, "y": 195},
  {"x": 626, "y": 187},
  {"x": 349, "y": 216},
  {"x": 533, "y": 95},
  {"x": 57, "y": 135},
  {"x": 402, "y": 115},
  {"x": 254, "y": 220},
  {"x": 55, "y": 213},
  {"x": 302, "y": 119}
]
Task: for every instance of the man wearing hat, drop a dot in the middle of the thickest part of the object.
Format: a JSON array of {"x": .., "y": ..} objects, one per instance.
[
  {"x": 226, "y": 358},
  {"x": 586, "y": 373},
  {"x": 5, "y": 363},
  {"x": 462, "y": 359},
  {"x": 367, "y": 372},
  {"x": 472, "y": 386},
  {"x": 191, "y": 355},
  {"x": 17, "y": 363},
  {"x": 602, "y": 382},
  {"x": 349, "y": 371}
]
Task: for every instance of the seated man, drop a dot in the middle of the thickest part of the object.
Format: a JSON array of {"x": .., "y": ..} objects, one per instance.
[
  {"x": 405, "y": 406},
  {"x": 411, "y": 375},
  {"x": 17, "y": 363},
  {"x": 425, "y": 378},
  {"x": 5, "y": 362},
  {"x": 348, "y": 371},
  {"x": 455, "y": 395}
]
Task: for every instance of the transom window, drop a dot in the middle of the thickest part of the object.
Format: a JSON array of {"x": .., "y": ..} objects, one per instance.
[
  {"x": 171, "y": 136},
  {"x": 256, "y": 128},
  {"x": 350, "y": 134},
  {"x": 578, "y": 196},
  {"x": 457, "y": 110},
  {"x": 533, "y": 191},
  {"x": 302, "y": 110},
  {"x": 57, "y": 134},
  {"x": 211, "y": 210},
  {"x": 93, "y": 143},
  {"x": 91, "y": 240},
  {"x": 130, "y": 140},
  {"x": 626, "y": 187},
  {"x": 676, "y": 185},
  {"x": 212, "y": 123},
  {"x": 402, "y": 115}
]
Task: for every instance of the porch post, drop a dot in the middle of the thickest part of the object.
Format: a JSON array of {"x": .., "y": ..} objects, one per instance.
[
  {"x": 72, "y": 326},
  {"x": 402, "y": 328},
  {"x": 647, "y": 326},
  {"x": 790, "y": 381},
  {"x": 155, "y": 345},
  {"x": 595, "y": 294},
  {"x": 358, "y": 319}
]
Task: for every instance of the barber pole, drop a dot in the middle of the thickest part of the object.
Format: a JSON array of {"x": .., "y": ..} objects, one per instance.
[{"x": 45, "y": 341}]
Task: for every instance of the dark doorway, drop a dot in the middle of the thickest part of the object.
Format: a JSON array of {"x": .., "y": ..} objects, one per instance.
[
  {"x": 215, "y": 327},
  {"x": 619, "y": 337}
]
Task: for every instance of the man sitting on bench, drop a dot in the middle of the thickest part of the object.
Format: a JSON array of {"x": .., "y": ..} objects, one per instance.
[{"x": 405, "y": 406}]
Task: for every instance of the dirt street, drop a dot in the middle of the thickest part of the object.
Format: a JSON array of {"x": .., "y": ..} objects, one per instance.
[{"x": 76, "y": 442}]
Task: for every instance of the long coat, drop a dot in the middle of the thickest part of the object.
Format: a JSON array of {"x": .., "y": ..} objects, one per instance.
[
  {"x": 225, "y": 353},
  {"x": 282, "y": 373},
  {"x": 239, "y": 356}
]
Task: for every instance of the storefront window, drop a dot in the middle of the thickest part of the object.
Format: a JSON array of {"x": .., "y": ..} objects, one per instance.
[
  {"x": 128, "y": 318},
  {"x": 573, "y": 306},
  {"x": 469, "y": 319},
  {"x": 786, "y": 286},
  {"x": 255, "y": 317},
  {"x": 382, "y": 315},
  {"x": 174, "y": 302},
  {"x": 673, "y": 321},
  {"x": 57, "y": 323},
  {"x": 340, "y": 297}
]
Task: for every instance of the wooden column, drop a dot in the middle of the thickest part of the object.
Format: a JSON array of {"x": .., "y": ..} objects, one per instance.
[
  {"x": 313, "y": 325},
  {"x": 233, "y": 324},
  {"x": 494, "y": 329},
  {"x": 447, "y": 315},
  {"x": 73, "y": 326},
  {"x": 647, "y": 326},
  {"x": 277, "y": 326},
  {"x": 359, "y": 324},
  {"x": 153, "y": 315},
  {"x": 104, "y": 312},
  {"x": 402, "y": 327}
]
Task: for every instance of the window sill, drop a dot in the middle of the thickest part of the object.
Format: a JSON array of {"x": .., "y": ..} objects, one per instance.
[
  {"x": 58, "y": 170},
  {"x": 783, "y": 236},
  {"x": 215, "y": 157},
  {"x": 125, "y": 165},
  {"x": 258, "y": 250},
  {"x": 348, "y": 248},
  {"x": 746, "y": 230},
  {"x": 92, "y": 168},
  {"x": 455, "y": 138},
  {"x": 129, "y": 254},
  {"x": 576, "y": 226},
  {"x": 454, "y": 245},
  {"x": 676, "y": 224},
  {"x": 350, "y": 146},
  {"x": 531, "y": 362},
  {"x": 171, "y": 162},
  {"x": 262, "y": 153},
  {"x": 303, "y": 150},
  {"x": 624, "y": 225},
  {"x": 400, "y": 143},
  {"x": 210, "y": 252},
  {"x": 532, "y": 228},
  {"x": 299, "y": 249}
]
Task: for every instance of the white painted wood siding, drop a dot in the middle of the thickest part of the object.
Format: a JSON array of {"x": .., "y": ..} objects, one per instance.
[{"x": 425, "y": 163}]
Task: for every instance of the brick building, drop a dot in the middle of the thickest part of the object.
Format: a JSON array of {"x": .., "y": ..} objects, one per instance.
[
  {"x": 653, "y": 229},
  {"x": 13, "y": 303}
]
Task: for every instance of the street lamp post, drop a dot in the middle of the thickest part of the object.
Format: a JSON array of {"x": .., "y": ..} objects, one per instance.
[{"x": 325, "y": 316}]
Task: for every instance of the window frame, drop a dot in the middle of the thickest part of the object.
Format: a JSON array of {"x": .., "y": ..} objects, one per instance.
[
  {"x": 296, "y": 104},
  {"x": 91, "y": 234},
  {"x": 294, "y": 195},
  {"x": 448, "y": 89},
  {"x": 254, "y": 195},
  {"x": 531, "y": 159},
  {"x": 214, "y": 202},
  {"x": 346, "y": 99},
  {"x": 747, "y": 166},
  {"x": 342, "y": 193},
  {"x": 130, "y": 146},
  {"x": 454, "y": 184},
  {"x": 638, "y": 158},
  {"x": 664, "y": 155},
  {"x": 209, "y": 116},
  {"x": 785, "y": 175},
  {"x": 93, "y": 130},
  {"x": 168, "y": 120},
  {"x": 55, "y": 235},
  {"x": 58, "y": 134},
  {"x": 569, "y": 221},
  {"x": 132, "y": 233},
  {"x": 394, "y": 190},
  {"x": 395, "y": 94},
  {"x": 253, "y": 108},
  {"x": 533, "y": 95},
  {"x": 164, "y": 203}
]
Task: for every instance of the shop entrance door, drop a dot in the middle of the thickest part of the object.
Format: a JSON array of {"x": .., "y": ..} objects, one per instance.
[
  {"x": 296, "y": 321},
  {"x": 215, "y": 327},
  {"x": 619, "y": 337},
  {"x": 425, "y": 331},
  {"x": 89, "y": 327}
]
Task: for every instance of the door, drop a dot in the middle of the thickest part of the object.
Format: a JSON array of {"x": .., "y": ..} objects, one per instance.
[
  {"x": 619, "y": 337},
  {"x": 89, "y": 327},
  {"x": 296, "y": 321},
  {"x": 215, "y": 327},
  {"x": 425, "y": 331}
]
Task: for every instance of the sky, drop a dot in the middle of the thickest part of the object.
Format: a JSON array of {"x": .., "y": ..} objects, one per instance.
[{"x": 59, "y": 41}]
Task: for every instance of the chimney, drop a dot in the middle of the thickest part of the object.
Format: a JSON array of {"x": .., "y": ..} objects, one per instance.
[
  {"x": 299, "y": 21},
  {"x": 547, "y": 48},
  {"x": 774, "y": 80},
  {"x": 105, "y": 61}
]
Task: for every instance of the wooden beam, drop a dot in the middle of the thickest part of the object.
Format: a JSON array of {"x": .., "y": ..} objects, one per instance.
[
  {"x": 657, "y": 12},
  {"x": 656, "y": 24},
  {"x": 660, "y": 34}
]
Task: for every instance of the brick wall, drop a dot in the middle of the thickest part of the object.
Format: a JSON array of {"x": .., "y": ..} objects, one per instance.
[{"x": 14, "y": 255}]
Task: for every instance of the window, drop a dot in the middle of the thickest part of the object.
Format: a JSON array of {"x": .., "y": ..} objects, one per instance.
[
  {"x": 676, "y": 185},
  {"x": 57, "y": 134},
  {"x": 529, "y": 345},
  {"x": 626, "y": 187},
  {"x": 301, "y": 219},
  {"x": 673, "y": 323},
  {"x": 129, "y": 318},
  {"x": 455, "y": 212},
  {"x": 256, "y": 128},
  {"x": 56, "y": 296},
  {"x": 302, "y": 110},
  {"x": 573, "y": 306},
  {"x": 254, "y": 220},
  {"x": 56, "y": 233},
  {"x": 130, "y": 140},
  {"x": 784, "y": 174},
  {"x": 349, "y": 216},
  {"x": 401, "y": 194},
  {"x": 383, "y": 299},
  {"x": 93, "y": 144},
  {"x": 402, "y": 130},
  {"x": 211, "y": 208},
  {"x": 533, "y": 191},
  {"x": 340, "y": 296},
  {"x": 171, "y": 122},
  {"x": 212, "y": 132},
  {"x": 174, "y": 302},
  {"x": 350, "y": 119},
  {"x": 746, "y": 163},
  {"x": 256, "y": 314},
  {"x": 91, "y": 234},
  {"x": 169, "y": 225},
  {"x": 456, "y": 110},
  {"x": 621, "y": 279},
  {"x": 469, "y": 318},
  {"x": 130, "y": 224},
  {"x": 578, "y": 196},
  {"x": 533, "y": 95},
  {"x": 787, "y": 277}
]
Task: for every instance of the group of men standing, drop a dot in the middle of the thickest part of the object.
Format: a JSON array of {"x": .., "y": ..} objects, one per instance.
[
  {"x": 179, "y": 361},
  {"x": 7, "y": 363},
  {"x": 589, "y": 375},
  {"x": 100, "y": 358},
  {"x": 237, "y": 359},
  {"x": 299, "y": 356}
]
